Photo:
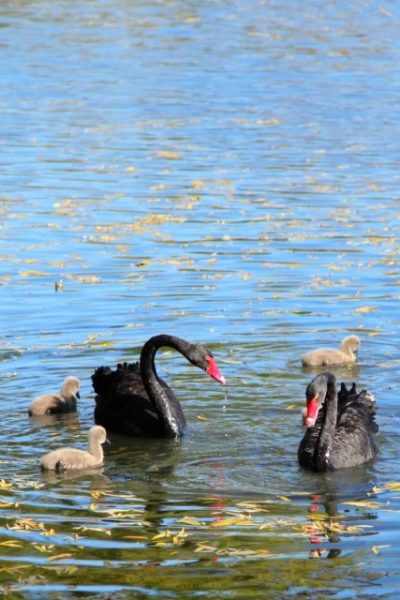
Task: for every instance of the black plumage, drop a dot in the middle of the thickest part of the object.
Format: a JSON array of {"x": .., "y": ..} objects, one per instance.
[
  {"x": 133, "y": 400},
  {"x": 341, "y": 429}
]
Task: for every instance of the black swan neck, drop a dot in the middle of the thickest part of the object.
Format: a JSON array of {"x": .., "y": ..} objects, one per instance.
[
  {"x": 160, "y": 396},
  {"x": 329, "y": 423}
]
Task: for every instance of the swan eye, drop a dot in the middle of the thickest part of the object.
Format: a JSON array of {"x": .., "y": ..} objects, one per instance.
[{"x": 212, "y": 369}]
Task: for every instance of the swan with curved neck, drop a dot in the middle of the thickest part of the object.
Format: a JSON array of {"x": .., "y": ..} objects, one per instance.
[
  {"x": 340, "y": 432},
  {"x": 134, "y": 400}
]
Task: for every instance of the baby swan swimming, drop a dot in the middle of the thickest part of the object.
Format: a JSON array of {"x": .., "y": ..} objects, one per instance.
[
  {"x": 51, "y": 404},
  {"x": 70, "y": 459},
  {"x": 329, "y": 357}
]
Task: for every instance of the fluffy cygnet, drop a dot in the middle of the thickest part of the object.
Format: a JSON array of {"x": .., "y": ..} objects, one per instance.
[
  {"x": 65, "y": 401},
  {"x": 72, "y": 458},
  {"x": 328, "y": 357}
]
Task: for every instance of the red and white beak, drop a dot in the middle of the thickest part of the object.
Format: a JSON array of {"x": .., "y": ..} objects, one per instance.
[
  {"x": 213, "y": 371},
  {"x": 313, "y": 407}
]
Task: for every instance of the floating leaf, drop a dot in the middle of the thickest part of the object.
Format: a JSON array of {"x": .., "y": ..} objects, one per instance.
[
  {"x": 363, "y": 503},
  {"x": 32, "y": 274},
  {"x": 393, "y": 485},
  {"x": 191, "y": 521},
  {"x": 43, "y": 547},
  {"x": 198, "y": 184},
  {"x": 85, "y": 278},
  {"x": 365, "y": 309},
  {"x": 376, "y": 549},
  {"x": 159, "y": 536},
  {"x": 230, "y": 521},
  {"x": 12, "y": 570},
  {"x": 201, "y": 418},
  {"x": 60, "y": 557},
  {"x": 99, "y": 529},
  {"x": 179, "y": 537},
  {"x": 242, "y": 552},
  {"x": 4, "y": 484},
  {"x": 357, "y": 528},
  {"x": 97, "y": 494},
  {"x": 251, "y": 506},
  {"x": 169, "y": 154},
  {"x": 27, "y": 525},
  {"x": 205, "y": 548},
  {"x": 11, "y": 544}
]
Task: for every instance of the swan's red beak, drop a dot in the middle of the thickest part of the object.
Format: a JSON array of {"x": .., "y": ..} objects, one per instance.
[
  {"x": 213, "y": 371},
  {"x": 313, "y": 407}
]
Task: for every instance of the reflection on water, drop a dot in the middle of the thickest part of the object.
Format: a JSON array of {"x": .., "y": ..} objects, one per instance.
[
  {"x": 68, "y": 420},
  {"x": 228, "y": 173},
  {"x": 97, "y": 479}
]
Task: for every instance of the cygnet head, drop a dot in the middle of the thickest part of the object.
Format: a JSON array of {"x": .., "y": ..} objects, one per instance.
[
  {"x": 98, "y": 434},
  {"x": 70, "y": 387},
  {"x": 351, "y": 343}
]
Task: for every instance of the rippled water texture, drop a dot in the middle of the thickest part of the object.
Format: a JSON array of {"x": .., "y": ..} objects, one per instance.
[{"x": 227, "y": 172}]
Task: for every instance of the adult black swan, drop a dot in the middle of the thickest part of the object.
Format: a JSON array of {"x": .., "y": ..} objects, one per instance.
[
  {"x": 340, "y": 428},
  {"x": 133, "y": 400}
]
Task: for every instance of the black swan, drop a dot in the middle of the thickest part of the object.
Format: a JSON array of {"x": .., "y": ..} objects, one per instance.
[
  {"x": 51, "y": 404},
  {"x": 340, "y": 427},
  {"x": 65, "y": 459},
  {"x": 329, "y": 357},
  {"x": 133, "y": 400}
]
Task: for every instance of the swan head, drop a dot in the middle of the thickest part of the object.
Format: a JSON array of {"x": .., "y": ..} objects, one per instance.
[
  {"x": 213, "y": 371},
  {"x": 204, "y": 359},
  {"x": 315, "y": 395}
]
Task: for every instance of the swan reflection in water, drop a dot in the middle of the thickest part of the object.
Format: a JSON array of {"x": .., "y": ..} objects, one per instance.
[
  {"x": 68, "y": 420},
  {"x": 341, "y": 509}
]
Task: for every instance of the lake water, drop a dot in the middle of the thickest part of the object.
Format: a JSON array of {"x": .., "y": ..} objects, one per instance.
[{"x": 227, "y": 172}]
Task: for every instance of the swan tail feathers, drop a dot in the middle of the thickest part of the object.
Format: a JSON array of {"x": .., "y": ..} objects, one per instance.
[{"x": 105, "y": 379}]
